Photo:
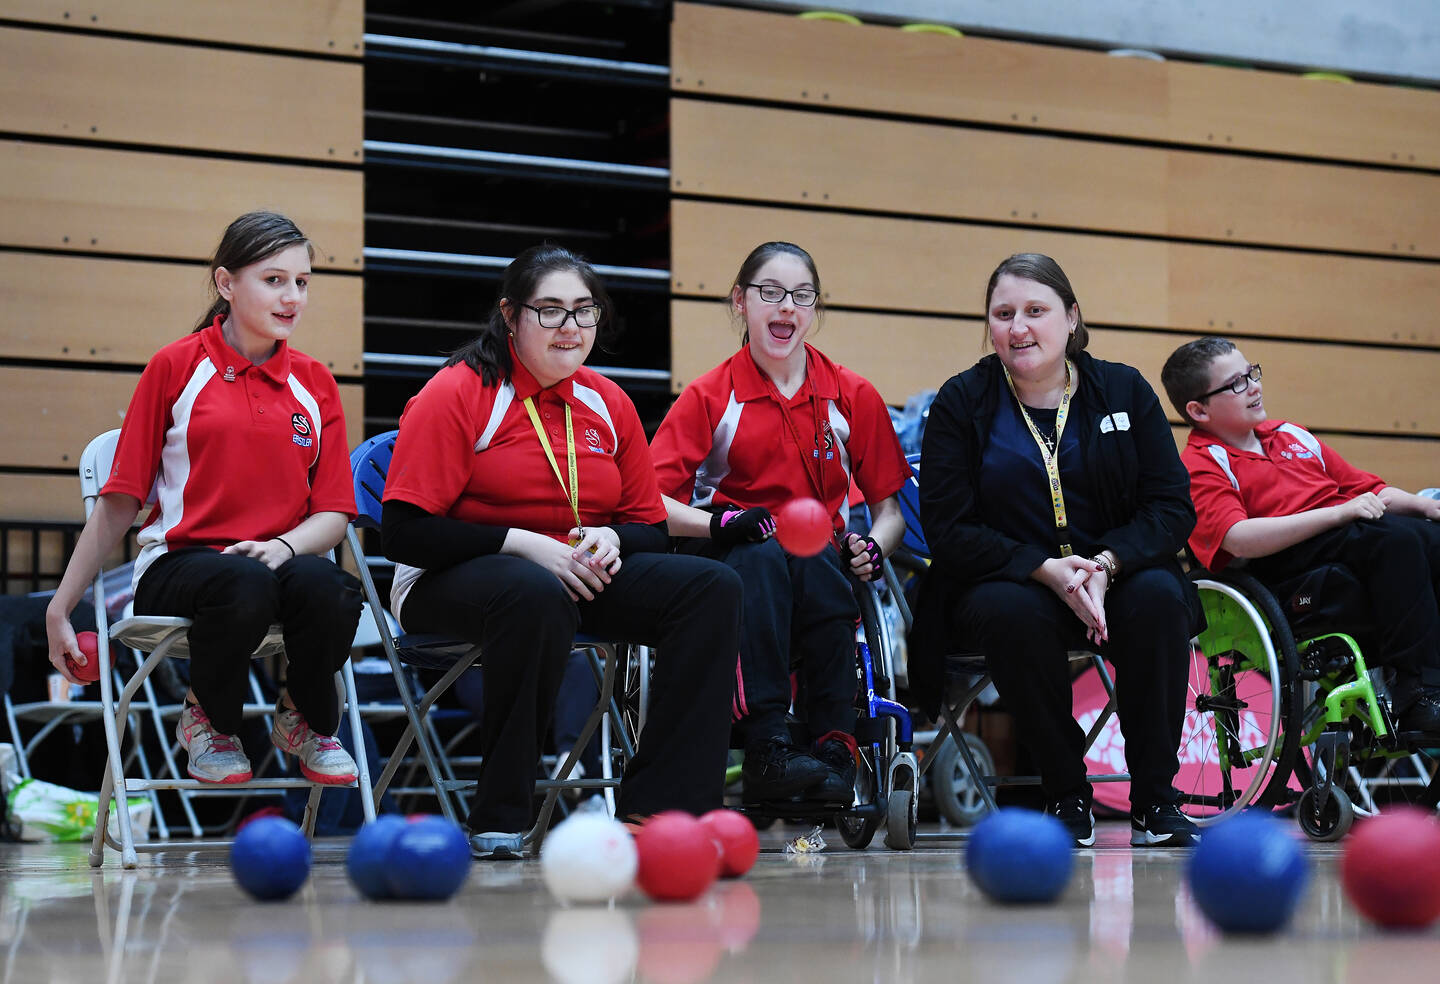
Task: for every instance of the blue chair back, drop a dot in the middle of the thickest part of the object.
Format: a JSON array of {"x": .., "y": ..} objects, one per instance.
[
  {"x": 369, "y": 464},
  {"x": 909, "y": 496}
]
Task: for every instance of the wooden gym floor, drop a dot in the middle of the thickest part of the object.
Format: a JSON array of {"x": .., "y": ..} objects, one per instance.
[{"x": 840, "y": 916}]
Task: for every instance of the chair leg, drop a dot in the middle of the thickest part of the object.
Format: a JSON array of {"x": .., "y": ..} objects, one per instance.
[
  {"x": 357, "y": 734},
  {"x": 602, "y": 706},
  {"x": 312, "y": 810}
]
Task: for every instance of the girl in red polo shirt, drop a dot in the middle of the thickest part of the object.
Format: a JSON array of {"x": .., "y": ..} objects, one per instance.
[
  {"x": 775, "y": 422},
  {"x": 521, "y": 506},
  {"x": 240, "y": 441}
]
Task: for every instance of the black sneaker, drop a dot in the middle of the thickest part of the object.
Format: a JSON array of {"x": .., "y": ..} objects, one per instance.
[
  {"x": 1162, "y": 826},
  {"x": 1423, "y": 714},
  {"x": 775, "y": 769},
  {"x": 1074, "y": 812},
  {"x": 837, "y": 751}
]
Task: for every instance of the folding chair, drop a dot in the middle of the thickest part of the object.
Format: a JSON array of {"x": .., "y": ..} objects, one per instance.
[
  {"x": 161, "y": 636},
  {"x": 370, "y": 463},
  {"x": 966, "y": 676}
]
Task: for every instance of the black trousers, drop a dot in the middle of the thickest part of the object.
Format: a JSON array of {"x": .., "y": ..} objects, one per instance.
[
  {"x": 799, "y": 611},
  {"x": 1024, "y": 632},
  {"x": 234, "y": 600},
  {"x": 1397, "y": 559},
  {"x": 524, "y": 621}
]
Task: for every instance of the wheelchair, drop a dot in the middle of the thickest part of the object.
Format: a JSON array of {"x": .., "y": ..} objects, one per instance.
[
  {"x": 887, "y": 775},
  {"x": 1285, "y": 712}
]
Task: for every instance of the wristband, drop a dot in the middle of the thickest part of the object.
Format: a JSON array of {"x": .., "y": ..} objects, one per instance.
[{"x": 287, "y": 545}]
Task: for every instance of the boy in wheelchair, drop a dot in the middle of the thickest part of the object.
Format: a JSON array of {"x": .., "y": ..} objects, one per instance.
[{"x": 1269, "y": 493}]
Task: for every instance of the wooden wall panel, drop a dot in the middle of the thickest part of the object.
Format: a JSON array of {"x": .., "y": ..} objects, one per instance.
[
  {"x": 51, "y": 308},
  {"x": 876, "y": 68},
  {"x": 322, "y": 26},
  {"x": 1324, "y": 387},
  {"x": 924, "y": 266},
  {"x": 53, "y": 413},
  {"x": 115, "y": 201},
  {"x": 43, "y": 498},
  {"x": 140, "y": 92},
  {"x": 829, "y": 161}
]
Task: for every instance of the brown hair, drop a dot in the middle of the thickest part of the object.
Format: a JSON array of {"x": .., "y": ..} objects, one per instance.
[
  {"x": 1042, "y": 270},
  {"x": 1187, "y": 372},
  {"x": 763, "y": 254},
  {"x": 250, "y": 239},
  {"x": 489, "y": 353}
]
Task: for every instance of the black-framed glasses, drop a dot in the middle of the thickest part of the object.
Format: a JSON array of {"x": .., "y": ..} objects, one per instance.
[
  {"x": 774, "y": 294},
  {"x": 586, "y": 316},
  {"x": 1239, "y": 384}
]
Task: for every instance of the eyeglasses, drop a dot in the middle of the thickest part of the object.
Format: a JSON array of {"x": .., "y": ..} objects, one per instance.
[
  {"x": 1239, "y": 384},
  {"x": 587, "y": 316},
  {"x": 774, "y": 294}
]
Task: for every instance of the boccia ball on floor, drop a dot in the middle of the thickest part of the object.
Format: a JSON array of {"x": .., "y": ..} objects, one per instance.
[
  {"x": 588, "y": 858},
  {"x": 366, "y": 860},
  {"x": 803, "y": 527},
  {"x": 428, "y": 860},
  {"x": 89, "y": 645},
  {"x": 270, "y": 858},
  {"x": 678, "y": 859},
  {"x": 1020, "y": 856},
  {"x": 1391, "y": 868},
  {"x": 1247, "y": 873},
  {"x": 739, "y": 843}
]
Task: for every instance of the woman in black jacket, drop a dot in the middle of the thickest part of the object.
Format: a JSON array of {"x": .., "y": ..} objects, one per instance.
[{"x": 1054, "y": 504}]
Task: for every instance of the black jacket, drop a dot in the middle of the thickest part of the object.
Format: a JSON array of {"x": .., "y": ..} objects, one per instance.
[{"x": 1142, "y": 495}]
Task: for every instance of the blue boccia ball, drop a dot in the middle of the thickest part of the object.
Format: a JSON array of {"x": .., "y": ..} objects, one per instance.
[
  {"x": 270, "y": 858},
  {"x": 365, "y": 861},
  {"x": 1020, "y": 856},
  {"x": 1248, "y": 873},
  {"x": 429, "y": 859}
]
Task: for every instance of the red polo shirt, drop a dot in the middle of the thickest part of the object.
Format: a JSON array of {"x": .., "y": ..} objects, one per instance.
[
  {"x": 1294, "y": 473},
  {"x": 731, "y": 437},
  {"x": 233, "y": 451}
]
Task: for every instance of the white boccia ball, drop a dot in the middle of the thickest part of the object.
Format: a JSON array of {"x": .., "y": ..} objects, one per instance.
[{"x": 588, "y": 858}]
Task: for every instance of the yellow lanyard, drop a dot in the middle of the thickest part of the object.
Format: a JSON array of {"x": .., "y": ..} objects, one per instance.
[
  {"x": 572, "y": 495},
  {"x": 1051, "y": 459}
]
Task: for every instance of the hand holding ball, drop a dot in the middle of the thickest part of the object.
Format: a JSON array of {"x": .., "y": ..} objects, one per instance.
[
  {"x": 89, "y": 644},
  {"x": 803, "y": 527}
]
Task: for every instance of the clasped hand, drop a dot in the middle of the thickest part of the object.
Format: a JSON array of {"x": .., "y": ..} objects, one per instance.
[
  {"x": 1081, "y": 584},
  {"x": 585, "y": 565}
]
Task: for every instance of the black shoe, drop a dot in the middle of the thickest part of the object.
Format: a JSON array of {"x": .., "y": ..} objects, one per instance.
[
  {"x": 1423, "y": 714},
  {"x": 775, "y": 769},
  {"x": 837, "y": 751},
  {"x": 1074, "y": 812},
  {"x": 1162, "y": 826}
]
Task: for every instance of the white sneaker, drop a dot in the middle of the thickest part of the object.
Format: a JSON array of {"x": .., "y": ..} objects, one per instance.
[
  {"x": 322, "y": 758},
  {"x": 213, "y": 757}
]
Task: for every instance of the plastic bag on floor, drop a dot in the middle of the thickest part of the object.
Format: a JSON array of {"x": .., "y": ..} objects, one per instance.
[{"x": 47, "y": 812}]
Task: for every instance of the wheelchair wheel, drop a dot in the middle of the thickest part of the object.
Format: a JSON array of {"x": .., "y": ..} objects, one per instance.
[
  {"x": 901, "y": 819},
  {"x": 858, "y": 831},
  {"x": 956, "y": 792},
  {"x": 1331, "y": 822},
  {"x": 1241, "y": 731}
]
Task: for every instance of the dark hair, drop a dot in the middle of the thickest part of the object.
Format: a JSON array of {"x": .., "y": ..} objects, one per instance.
[
  {"x": 763, "y": 254},
  {"x": 1187, "y": 372},
  {"x": 489, "y": 352},
  {"x": 1043, "y": 270},
  {"x": 250, "y": 239}
]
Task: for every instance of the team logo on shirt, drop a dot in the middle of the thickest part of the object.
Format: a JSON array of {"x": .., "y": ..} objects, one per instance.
[
  {"x": 302, "y": 430},
  {"x": 592, "y": 440},
  {"x": 1297, "y": 451},
  {"x": 825, "y": 441}
]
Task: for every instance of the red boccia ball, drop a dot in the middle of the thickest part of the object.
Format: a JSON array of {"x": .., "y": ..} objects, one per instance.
[
  {"x": 803, "y": 527},
  {"x": 1391, "y": 868},
  {"x": 89, "y": 644},
  {"x": 739, "y": 843},
  {"x": 678, "y": 859}
]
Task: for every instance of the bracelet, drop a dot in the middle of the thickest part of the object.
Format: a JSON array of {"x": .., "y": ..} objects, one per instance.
[
  {"x": 287, "y": 545},
  {"x": 1107, "y": 565}
]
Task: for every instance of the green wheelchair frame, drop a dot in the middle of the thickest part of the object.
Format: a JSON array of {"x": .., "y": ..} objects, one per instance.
[{"x": 1326, "y": 720}]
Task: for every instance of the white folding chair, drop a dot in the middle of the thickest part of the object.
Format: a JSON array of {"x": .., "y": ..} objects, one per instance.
[{"x": 161, "y": 636}]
